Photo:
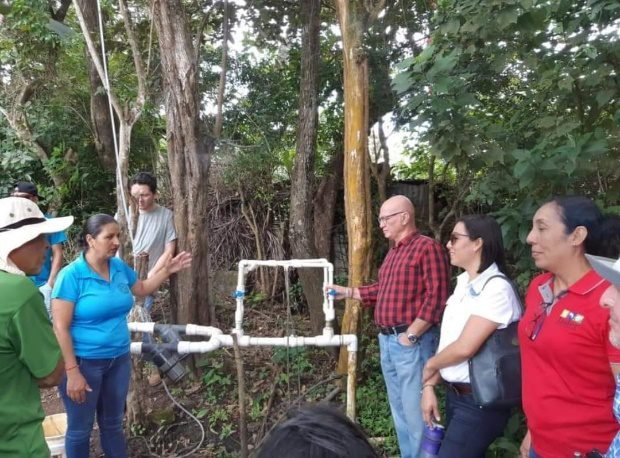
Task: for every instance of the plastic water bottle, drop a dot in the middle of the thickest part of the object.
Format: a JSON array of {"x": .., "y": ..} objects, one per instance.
[{"x": 431, "y": 441}]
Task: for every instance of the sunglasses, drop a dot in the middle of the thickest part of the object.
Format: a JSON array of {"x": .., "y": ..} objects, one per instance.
[
  {"x": 535, "y": 326},
  {"x": 454, "y": 237}
]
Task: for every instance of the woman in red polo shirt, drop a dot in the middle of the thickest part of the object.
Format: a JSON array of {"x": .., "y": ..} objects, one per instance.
[{"x": 568, "y": 363}]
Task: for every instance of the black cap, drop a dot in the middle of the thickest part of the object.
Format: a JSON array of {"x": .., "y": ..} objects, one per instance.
[{"x": 25, "y": 187}]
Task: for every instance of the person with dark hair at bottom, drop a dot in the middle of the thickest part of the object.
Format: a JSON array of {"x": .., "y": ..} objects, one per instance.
[
  {"x": 568, "y": 364},
  {"x": 90, "y": 302},
  {"x": 483, "y": 301},
  {"x": 319, "y": 431}
]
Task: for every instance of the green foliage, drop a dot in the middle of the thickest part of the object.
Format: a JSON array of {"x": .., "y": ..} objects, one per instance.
[
  {"x": 220, "y": 423},
  {"x": 295, "y": 359},
  {"x": 15, "y": 165},
  {"x": 504, "y": 77},
  {"x": 255, "y": 298},
  {"x": 522, "y": 95},
  {"x": 508, "y": 445},
  {"x": 215, "y": 377},
  {"x": 296, "y": 297},
  {"x": 373, "y": 408}
]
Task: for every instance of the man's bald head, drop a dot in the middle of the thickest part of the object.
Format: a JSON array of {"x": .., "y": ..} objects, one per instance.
[
  {"x": 398, "y": 204},
  {"x": 397, "y": 218}
]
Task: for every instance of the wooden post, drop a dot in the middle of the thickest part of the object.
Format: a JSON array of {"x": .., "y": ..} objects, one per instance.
[{"x": 136, "y": 397}]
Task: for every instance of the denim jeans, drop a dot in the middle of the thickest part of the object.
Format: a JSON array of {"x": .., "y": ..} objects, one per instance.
[
  {"x": 470, "y": 429},
  {"x": 109, "y": 381},
  {"x": 533, "y": 453},
  {"x": 402, "y": 371}
]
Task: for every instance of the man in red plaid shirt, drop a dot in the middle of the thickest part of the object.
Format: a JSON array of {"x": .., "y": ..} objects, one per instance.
[{"x": 409, "y": 298}]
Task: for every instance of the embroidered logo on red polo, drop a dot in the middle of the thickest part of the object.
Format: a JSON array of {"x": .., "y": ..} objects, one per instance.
[{"x": 572, "y": 317}]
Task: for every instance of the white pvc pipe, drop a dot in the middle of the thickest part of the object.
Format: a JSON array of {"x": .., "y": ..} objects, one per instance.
[
  {"x": 218, "y": 339},
  {"x": 139, "y": 326},
  {"x": 351, "y": 374},
  {"x": 327, "y": 339},
  {"x": 253, "y": 263},
  {"x": 328, "y": 299},
  {"x": 247, "y": 265},
  {"x": 348, "y": 340},
  {"x": 196, "y": 330}
]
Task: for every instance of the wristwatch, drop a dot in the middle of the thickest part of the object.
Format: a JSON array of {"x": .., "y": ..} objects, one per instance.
[{"x": 413, "y": 339}]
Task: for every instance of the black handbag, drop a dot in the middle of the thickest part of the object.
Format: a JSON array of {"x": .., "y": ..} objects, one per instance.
[{"x": 495, "y": 370}]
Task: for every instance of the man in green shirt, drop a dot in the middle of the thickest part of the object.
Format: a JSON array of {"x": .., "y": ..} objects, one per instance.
[{"x": 29, "y": 353}]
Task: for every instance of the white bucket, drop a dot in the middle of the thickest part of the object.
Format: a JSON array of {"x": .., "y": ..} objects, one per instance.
[{"x": 54, "y": 428}]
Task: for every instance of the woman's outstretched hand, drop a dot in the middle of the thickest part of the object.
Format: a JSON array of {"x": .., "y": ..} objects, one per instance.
[{"x": 181, "y": 261}]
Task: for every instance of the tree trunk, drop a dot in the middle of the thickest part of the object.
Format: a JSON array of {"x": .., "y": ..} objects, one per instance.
[
  {"x": 325, "y": 206},
  {"x": 381, "y": 172},
  {"x": 137, "y": 396},
  {"x": 99, "y": 108},
  {"x": 301, "y": 228},
  {"x": 353, "y": 19},
  {"x": 188, "y": 155},
  {"x": 128, "y": 113},
  {"x": 122, "y": 191}
]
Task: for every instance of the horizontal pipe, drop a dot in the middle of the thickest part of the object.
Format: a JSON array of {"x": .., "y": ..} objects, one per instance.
[
  {"x": 225, "y": 340},
  {"x": 187, "y": 329},
  {"x": 139, "y": 326},
  {"x": 148, "y": 347},
  {"x": 252, "y": 264}
]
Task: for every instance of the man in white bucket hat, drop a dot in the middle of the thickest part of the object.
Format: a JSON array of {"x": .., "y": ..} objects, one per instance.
[
  {"x": 29, "y": 353},
  {"x": 609, "y": 269}
]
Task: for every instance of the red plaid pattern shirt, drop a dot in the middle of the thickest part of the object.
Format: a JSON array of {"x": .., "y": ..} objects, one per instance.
[{"x": 414, "y": 282}]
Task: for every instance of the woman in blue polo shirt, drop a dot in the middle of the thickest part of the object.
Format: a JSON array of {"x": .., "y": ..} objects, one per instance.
[{"x": 90, "y": 302}]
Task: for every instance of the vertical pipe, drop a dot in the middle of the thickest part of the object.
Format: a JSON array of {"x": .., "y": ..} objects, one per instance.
[
  {"x": 239, "y": 296},
  {"x": 351, "y": 384}
]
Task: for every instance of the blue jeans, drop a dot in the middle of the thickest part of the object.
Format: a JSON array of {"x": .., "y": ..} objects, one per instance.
[
  {"x": 533, "y": 453},
  {"x": 470, "y": 428},
  {"x": 402, "y": 371},
  {"x": 109, "y": 381}
]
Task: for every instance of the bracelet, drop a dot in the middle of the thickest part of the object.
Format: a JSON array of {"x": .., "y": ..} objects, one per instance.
[
  {"x": 67, "y": 369},
  {"x": 427, "y": 385}
]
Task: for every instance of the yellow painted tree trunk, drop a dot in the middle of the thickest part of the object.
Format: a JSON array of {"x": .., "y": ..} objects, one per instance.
[{"x": 353, "y": 18}]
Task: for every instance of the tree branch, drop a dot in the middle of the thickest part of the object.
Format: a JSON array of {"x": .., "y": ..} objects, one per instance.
[
  {"x": 219, "y": 119},
  {"x": 94, "y": 55},
  {"x": 137, "y": 60},
  {"x": 199, "y": 34},
  {"x": 60, "y": 14}
]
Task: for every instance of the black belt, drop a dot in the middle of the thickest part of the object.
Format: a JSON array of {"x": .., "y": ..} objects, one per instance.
[
  {"x": 459, "y": 388},
  {"x": 389, "y": 330}
]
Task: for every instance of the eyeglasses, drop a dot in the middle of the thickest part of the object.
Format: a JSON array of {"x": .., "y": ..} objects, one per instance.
[
  {"x": 454, "y": 237},
  {"x": 384, "y": 219},
  {"x": 537, "y": 322},
  {"x": 141, "y": 196}
]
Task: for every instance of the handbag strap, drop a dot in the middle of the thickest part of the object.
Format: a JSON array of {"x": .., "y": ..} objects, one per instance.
[{"x": 511, "y": 283}]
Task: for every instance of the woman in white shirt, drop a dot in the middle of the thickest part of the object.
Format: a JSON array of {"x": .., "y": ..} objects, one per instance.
[{"x": 479, "y": 305}]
